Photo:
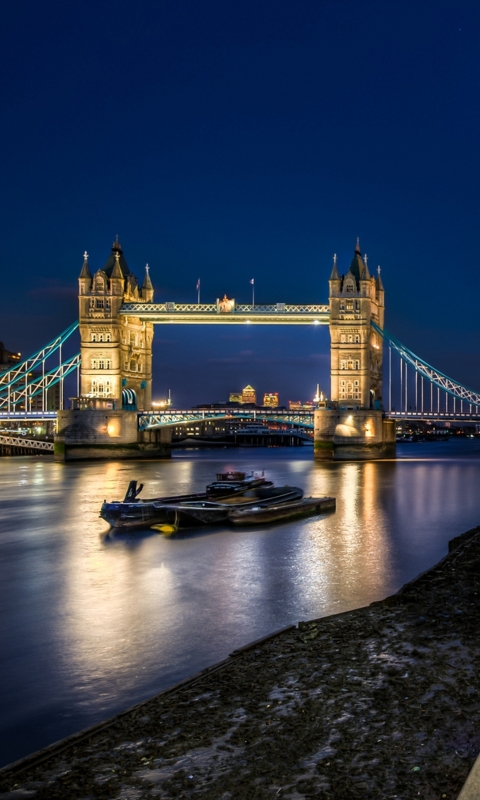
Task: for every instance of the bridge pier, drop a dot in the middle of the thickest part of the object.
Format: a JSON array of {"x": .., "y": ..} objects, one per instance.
[
  {"x": 352, "y": 434},
  {"x": 107, "y": 434}
]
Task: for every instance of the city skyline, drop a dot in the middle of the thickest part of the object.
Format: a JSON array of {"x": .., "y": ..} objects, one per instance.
[{"x": 236, "y": 144}]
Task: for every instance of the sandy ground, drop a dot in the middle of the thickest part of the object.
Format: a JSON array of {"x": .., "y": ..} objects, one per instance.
[{"x": 381, "y": 702}]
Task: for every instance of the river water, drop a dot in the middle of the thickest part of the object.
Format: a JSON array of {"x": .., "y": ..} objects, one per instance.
[{"x": 91, "y": 623}]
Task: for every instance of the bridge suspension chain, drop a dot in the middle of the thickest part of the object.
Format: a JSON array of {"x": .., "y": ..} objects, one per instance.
[
  {"x": 10, "y": 396},
  {"x": 425, "y": 370},
  {"x": 15, "y": 374}
]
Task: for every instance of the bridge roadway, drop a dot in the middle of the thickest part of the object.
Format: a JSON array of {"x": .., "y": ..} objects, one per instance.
[
  {"x": 196, "y": 313},
  {"x": 304, "y": 419}
]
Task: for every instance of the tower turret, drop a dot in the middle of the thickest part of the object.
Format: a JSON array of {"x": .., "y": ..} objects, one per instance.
[
  {"x": 116, "y": 349},
  {"x": 85, "y": 277}
]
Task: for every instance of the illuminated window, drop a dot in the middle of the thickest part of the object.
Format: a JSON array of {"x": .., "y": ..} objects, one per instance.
[
  {"x": 133, "y": 339},
  {"x": 342, "y": 337},
  {"x": 102, "y": 387},
  {"x": 101, "y": 337},
  {"x": 101, "y": 363},
  {"x": 349, "y": 305}
]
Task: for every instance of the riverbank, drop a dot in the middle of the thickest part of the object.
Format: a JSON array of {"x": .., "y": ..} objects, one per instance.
[{"x": 380, "y": 702}]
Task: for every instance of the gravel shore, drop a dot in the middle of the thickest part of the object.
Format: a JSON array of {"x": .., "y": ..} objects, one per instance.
[{"x": 380, "y": 702}]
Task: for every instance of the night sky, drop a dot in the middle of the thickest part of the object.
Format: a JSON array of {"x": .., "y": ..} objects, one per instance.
[{"x": 230, "y": 140}]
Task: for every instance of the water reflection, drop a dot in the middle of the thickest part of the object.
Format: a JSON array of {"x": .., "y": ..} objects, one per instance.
[{"x": 92, "y": 623}]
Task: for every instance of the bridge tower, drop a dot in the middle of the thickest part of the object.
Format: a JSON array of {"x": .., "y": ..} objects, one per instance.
[
  {"x": 356, "y": 299},
  {"x": 116, "y": 352}
]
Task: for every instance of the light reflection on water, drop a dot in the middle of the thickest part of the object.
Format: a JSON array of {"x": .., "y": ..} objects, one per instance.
[{"x": 91, "y": 623}]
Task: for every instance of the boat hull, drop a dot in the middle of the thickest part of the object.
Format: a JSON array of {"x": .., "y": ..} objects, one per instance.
[
  {"x": 276, "y": 513},
  {"x": 210, "y": 513}
]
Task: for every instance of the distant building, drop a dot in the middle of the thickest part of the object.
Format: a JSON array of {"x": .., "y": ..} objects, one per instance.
[
  {"x": 249, "y": 395},
  {"x": 270, "y": 399},
  {"x": 235, "y": 397},
  {"x": 7, "y": 358},
  {"x": 297, "y": 405}
]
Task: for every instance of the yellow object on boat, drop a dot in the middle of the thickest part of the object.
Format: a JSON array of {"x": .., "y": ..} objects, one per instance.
[{"x": 168, "y": 529}]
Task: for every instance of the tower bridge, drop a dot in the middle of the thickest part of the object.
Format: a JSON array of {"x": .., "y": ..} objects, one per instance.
[{"x": 116, "y": 323}]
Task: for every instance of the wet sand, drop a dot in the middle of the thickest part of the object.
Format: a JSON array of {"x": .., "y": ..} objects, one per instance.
[{"x": 380, "y": 702}]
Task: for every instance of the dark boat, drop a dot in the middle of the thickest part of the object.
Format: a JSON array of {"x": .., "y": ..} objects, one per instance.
[
  {"x": 268, "y": 512},
  {"x": 134, "y": 512},
  {"x": 209, "y": 512}
]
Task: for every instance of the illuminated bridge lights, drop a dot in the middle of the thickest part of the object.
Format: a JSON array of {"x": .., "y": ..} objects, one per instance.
[{"x": 193, "y": 313}]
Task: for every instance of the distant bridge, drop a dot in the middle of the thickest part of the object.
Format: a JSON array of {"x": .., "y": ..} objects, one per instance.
[
  {"x": 170, "y": 417},
  {"x": 27, "y": 444}
]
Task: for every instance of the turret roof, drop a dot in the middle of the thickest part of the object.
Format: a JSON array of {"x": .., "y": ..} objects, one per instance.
[
  {"x": 117, "y": 270},
  {"x": 334, "y": 276},
  {"x": 110, "y": 262},
  {"x": 357, "y": 267},
  {"x": 379, "y": 281},
  {"x": 147, "y": 282},
  {"x": 85, "y": 271}
]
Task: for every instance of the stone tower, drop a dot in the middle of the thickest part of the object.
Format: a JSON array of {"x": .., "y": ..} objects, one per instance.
[
  {"x": 356, "y": 299},
  {"x": 116, "y": 350}
]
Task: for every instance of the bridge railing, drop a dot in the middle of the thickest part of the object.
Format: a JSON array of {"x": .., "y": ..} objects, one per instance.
[{"x": 212, "y": 308}]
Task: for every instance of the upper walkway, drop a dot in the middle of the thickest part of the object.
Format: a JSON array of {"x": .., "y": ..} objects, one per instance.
[{"x": 193, "y": 313}]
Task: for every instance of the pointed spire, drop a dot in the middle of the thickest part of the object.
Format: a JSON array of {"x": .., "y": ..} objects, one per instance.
[
  {"x": 334, "y": 274},
  {"x": 147, "y": 283},
  {"x": 117, "y": 270},
  {"x": 85, "y": 272},
  {"x": 366, "y": 273},
  {"x": 357, "y": 267},
  {"x": 379, "y": 280}
]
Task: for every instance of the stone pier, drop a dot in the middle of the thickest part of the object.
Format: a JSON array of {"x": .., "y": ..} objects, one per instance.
[
  {"x": 352, "y": 434},
  {"x": 107, "y": 434}
]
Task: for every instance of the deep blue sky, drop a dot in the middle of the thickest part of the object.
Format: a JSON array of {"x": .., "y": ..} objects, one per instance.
[{"x": 229, "y": 140}]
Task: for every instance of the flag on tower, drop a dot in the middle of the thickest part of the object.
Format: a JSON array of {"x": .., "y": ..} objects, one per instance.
[
  {"x": 198, "y": 284},
  {"x": 252, "y": 281}
]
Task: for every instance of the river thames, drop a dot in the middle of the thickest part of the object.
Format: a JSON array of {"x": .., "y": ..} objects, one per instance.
[{"x": 93, "y": 622}]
